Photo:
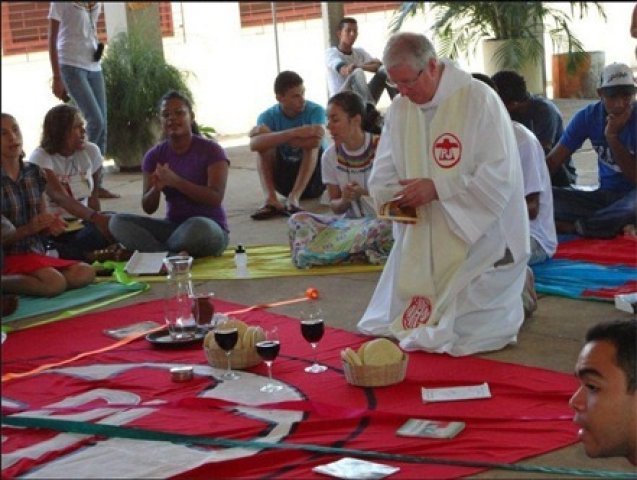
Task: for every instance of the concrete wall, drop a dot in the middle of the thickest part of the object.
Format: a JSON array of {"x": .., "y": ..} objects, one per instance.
[{"x": 232, "y": 70}]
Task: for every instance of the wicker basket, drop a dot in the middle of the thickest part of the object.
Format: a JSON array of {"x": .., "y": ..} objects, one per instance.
[
  {"x": 376, "y": 376},
  {"x": 240, "y": 359}
]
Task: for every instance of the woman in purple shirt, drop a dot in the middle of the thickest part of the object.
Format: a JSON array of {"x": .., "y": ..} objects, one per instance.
[{"x": 191, "y": 171}]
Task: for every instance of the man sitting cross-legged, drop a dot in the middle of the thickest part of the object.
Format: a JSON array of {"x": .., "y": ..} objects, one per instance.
[{"x": 288, "y": 139}]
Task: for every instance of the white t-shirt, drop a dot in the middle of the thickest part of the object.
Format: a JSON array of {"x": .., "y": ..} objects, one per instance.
[
  {"x": 339, "y": 167},
  {"x": 537, "y": 180},
  {"x": 334, "y": 59},
  {"x": 75, "y": 172},
  {"x": 77, "y": 35}
]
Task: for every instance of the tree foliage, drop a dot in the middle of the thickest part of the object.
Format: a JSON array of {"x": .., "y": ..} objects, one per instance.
[{"x": 460, "y": 26}]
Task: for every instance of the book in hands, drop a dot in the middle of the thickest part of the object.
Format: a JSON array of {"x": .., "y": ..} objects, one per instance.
[
  {"x": 388, "y": 210},
  {"x": 145, "y": 263},
  {"x": 416, "y": 427}
]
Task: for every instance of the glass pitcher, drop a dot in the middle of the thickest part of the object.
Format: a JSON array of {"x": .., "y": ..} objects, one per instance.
[{"x": 179, "y": 304}]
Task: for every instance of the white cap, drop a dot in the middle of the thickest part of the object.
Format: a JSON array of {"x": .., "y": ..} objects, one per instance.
[{"x": 617, "y": 75}]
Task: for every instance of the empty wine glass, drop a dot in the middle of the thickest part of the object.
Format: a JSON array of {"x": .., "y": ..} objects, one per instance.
[
  {"x": 268, "y": 350},
  {"x": 312, "y": 329},
  {"x": 227, "y": 337}
]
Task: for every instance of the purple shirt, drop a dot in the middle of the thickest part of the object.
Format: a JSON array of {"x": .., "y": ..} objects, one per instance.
[{"x": 193, "y": 166}]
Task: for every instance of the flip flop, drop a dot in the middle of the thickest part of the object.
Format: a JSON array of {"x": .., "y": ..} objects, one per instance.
[
  {"x": 268, "y": 211},
  {"x": 292, "y": 209}
]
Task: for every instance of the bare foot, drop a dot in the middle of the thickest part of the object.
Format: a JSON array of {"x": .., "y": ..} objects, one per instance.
[
  {"x": 103, "y": 193},
  {"x": 630, "y": 231}
]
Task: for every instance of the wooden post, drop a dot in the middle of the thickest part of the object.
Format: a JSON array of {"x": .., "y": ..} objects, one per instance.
[{"x": 141, "y": 17}]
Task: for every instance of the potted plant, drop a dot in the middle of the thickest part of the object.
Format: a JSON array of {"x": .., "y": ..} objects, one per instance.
[
  {"x": 136, "y": 76},
  {"x": 512, "y": 32}
]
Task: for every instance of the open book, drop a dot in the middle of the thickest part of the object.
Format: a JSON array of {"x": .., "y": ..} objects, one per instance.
[
  {"x": 145, "y": 263},
  {"x": 388, "y": 210}
]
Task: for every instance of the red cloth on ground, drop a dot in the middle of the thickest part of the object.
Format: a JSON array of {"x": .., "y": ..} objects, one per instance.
[
  {"x": 527, "y": 415},
  {"x": 621, "y": 250},
  {"x": 27, "y": 263}
]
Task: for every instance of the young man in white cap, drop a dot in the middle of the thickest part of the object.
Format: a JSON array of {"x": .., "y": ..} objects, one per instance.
[{"x": 611, "y": 126}]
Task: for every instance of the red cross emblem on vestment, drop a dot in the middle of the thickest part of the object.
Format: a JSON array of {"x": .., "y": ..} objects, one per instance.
[
  {"x": 417, "y": 313},
  {"x": 447, "y": 150}
]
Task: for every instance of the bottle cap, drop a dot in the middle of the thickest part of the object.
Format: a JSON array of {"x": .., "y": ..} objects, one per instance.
[{"x": 240, "y": 249}]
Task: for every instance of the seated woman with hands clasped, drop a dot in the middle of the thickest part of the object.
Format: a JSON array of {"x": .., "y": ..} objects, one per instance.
[
  {"x": 25, "y": 268},
  {"x": 191, "y": 171},
  {"x": 345, "y": 166}
]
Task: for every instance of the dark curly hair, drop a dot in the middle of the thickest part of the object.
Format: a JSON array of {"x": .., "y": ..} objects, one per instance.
[{"x": 58, "y": 122}]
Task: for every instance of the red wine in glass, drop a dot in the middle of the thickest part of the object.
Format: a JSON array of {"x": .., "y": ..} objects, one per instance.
[
  {"x": 268, "y": 349},
  {"x": 312, "y": 330},
  {"x": 227, "y": 338}
]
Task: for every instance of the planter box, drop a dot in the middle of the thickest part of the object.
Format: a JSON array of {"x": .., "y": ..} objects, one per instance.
[
  {"x": 581, "y": 84},
  {"x": 533, "y": 73}
]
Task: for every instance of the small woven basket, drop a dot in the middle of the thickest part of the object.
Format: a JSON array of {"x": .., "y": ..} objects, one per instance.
[
  {"x": 241, "y": 358},
  {"x": 376, "y": 376}
]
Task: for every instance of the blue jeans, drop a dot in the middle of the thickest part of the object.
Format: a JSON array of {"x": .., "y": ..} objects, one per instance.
[
  {"x": 88, "y": 92},
  {"x": 75, "y": 245},
  {"x": 597, "y": 214},
  {"x": 199, "y": 236}
]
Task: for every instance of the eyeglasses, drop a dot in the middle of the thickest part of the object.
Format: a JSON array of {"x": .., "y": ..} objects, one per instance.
[
  {"x": 408, "y": 84},
  {"x": 180, "y": 112}
]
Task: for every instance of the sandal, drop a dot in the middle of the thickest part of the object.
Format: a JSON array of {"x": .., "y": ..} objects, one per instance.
[
  {"x": 268, "y": 211},
  {"x": 113, "y": 252},
  {"x": 292, "y": 209}
]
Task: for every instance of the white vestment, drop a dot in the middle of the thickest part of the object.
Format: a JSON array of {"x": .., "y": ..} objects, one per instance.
[{"x": 469, "y": 151}]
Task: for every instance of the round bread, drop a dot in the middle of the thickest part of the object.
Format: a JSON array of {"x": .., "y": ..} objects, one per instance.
[
  {"x": 361, "y": 353},
  {"x": 252, "y": 336},
  {"x": 381, "y": 351},
  {"x": 209, "y": 341},
  {"x": 350, "y": 356}
]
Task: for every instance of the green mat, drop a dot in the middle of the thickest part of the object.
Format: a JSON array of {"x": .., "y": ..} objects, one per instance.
[
  {"x": 264, "y": 261},
  {"x": 72, "y": 302}
]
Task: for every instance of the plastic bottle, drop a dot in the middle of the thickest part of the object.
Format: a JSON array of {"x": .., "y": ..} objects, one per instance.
[
  {"x": 50, "y": 250},
  {"x": 241, "y": 262}
]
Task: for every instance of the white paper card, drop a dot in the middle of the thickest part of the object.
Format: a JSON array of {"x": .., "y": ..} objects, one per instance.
[
  {"x": 145, "y": 263},
  {"x": 451, "y": 394},
  {"x": 626, "y": 302},
  {"x": 354, "y": 468}
]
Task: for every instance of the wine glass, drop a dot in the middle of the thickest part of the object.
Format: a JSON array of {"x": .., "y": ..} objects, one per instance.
[
  {"x": 312, "y": 329},
  {"x": 268, "y": 350},
  {"x": 227, "y": 337}
]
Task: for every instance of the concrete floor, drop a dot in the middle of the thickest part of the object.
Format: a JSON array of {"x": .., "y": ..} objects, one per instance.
[{"x": 551, "y": 339}]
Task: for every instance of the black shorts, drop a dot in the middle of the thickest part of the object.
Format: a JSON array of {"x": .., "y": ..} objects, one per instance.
[{"x": 285, "y": 173}]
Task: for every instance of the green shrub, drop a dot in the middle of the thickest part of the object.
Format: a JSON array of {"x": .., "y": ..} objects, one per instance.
[{"x": 136, "y": 77}]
